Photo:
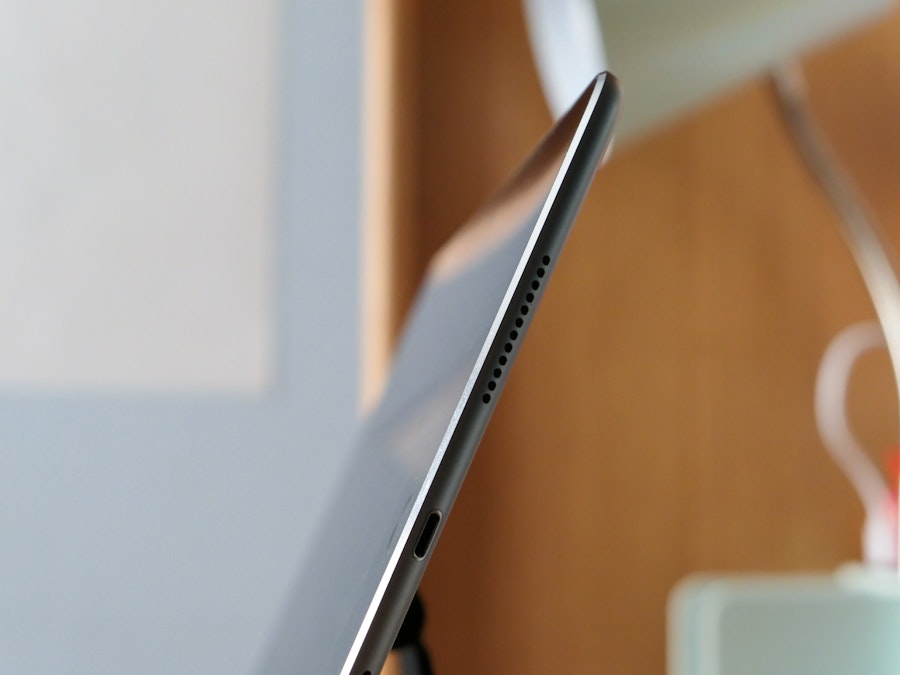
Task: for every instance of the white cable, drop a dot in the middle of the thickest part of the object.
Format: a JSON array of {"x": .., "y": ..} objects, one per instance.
[
  {"x": 857, "y": 224},
  {"x": 856, "y": 221},
  {"x": 879, "y": 543}
]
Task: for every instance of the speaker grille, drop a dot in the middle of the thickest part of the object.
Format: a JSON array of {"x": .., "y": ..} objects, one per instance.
[{"x": 513, "y": 334}]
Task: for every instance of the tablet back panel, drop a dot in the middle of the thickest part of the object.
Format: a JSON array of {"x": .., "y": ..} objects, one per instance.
[{"x": 412, "y": 451}]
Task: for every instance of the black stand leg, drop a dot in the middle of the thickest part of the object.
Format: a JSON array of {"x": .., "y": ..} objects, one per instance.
[{"x": 408, "y": 645}]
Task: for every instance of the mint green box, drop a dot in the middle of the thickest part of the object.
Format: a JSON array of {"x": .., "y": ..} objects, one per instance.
[{"x": 830, "y": 624}]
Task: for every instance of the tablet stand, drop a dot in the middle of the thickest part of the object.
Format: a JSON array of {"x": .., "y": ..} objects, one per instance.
[{"x": 408, "y": 645}]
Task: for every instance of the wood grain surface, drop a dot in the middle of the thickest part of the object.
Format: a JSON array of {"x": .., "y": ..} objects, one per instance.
[{"x": 659, "y": 419}]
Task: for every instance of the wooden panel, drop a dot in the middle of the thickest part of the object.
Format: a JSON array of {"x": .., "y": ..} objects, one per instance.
[
  {"x": 391, "y": 261},
  {"x": 659, "y": 420}
]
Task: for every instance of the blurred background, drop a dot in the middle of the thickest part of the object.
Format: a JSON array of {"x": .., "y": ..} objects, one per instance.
[
  {"x": 180, "y": 196},
  {"x": 213, "y": 218}
]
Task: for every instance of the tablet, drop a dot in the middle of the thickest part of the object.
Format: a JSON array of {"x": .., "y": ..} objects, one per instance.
[{"x": 411, "y": 453}]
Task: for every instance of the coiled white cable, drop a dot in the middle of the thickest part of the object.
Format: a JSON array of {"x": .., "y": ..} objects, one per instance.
[
  {"x": 857, "y": 223},
  {"x": 879, "y": 539}
]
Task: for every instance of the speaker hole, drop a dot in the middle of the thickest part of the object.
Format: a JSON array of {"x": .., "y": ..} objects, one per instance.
[
  {"x": 492, "y": 385},
  {"x": 546, "y": 260},
  {"x": 497, "y": 372},
  {"x": 524, "y": 309},
  {"x": 507, "y": 348},
  {"x": 486, "y": 398},
  {"x": 529, "y": 297},
  {"x": 540, "y": 271},
  {"x": 535, "y": 285},
  {"x": 503, "y": 360},
  {"x": 519, "y": 322},
  {"x": 513, "y": 334}
]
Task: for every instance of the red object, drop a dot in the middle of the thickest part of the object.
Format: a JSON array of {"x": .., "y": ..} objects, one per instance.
[
  {"x": 893, "y": 470},
  {"x": 893, "y": 502}
]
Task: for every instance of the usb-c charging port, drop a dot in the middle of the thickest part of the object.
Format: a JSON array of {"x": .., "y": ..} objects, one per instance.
[{"x": 427, "y": 535}]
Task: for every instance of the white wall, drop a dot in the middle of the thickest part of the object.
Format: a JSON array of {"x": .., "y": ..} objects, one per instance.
[
  {"x": 179, "y": 255},
  {"x": 137, "y": 193}
]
